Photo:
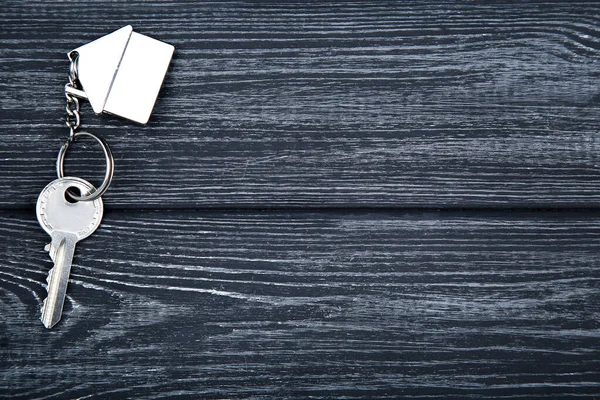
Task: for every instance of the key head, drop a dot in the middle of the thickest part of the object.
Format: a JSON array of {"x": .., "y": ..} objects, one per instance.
[{"x": 56, "y": 213}]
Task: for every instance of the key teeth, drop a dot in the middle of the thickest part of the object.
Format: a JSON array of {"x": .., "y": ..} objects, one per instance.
[
  {"x": 47, "y": 324},
  {"x": 43, "y": 308},
  {"x": 51, "y": 251},
  {"x": 48, "y": 280}
]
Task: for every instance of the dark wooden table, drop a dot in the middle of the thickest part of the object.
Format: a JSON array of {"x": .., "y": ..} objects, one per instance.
[{"x": 331, "y": 200}]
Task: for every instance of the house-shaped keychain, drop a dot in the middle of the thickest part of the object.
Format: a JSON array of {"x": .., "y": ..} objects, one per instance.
[{"x": 121, "y": 73}]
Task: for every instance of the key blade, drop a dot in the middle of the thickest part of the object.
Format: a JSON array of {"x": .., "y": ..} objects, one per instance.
[
  {"x": 66, "y": 223},
  {"x": 63, "y": 248}
]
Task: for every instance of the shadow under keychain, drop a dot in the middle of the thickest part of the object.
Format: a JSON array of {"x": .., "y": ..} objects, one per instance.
[{"x": 120, "y": 74}]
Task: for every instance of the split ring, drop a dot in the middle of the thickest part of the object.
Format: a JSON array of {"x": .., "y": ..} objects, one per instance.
[{"x": 110, "y": 166}]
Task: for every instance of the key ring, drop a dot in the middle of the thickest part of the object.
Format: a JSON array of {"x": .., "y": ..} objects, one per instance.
[{"x": 110, "y": 166}]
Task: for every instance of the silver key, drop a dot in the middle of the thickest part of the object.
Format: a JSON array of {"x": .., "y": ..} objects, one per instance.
[{"x": 67, "y": 223}]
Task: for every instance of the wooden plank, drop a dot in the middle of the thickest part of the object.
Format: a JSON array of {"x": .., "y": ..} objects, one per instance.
[
  {"x": 293, "y": 305},
  {"x": 362, "y": 104}
]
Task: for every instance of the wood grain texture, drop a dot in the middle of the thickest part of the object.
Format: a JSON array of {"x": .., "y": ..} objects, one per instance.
[
  {"x": 422, "y": 104},
  {"x": 241, "y": 255},
  {"x": 298, "y": 305}
]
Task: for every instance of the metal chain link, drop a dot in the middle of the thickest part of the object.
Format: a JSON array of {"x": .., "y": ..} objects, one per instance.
[{"x": 73, "y": 119}]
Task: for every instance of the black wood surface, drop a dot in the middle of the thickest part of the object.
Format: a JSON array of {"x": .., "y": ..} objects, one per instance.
[
  {"x": 309, "y": 304},
  {"x": 418, "y": 105},
  {"x": 331, "y": 200}
]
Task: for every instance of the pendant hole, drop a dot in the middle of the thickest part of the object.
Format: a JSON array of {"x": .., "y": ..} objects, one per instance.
[{"x": 72, "y": 191}]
